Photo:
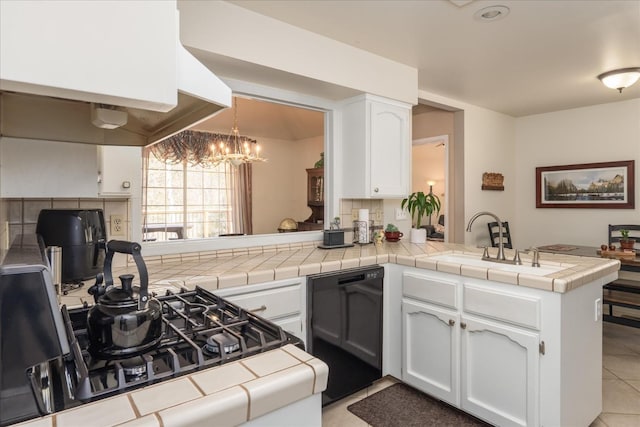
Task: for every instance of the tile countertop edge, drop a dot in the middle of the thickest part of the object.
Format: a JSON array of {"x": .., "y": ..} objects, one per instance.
[
  {"x": 297, "y": 263},
  {"x": 232, "y": 403}
]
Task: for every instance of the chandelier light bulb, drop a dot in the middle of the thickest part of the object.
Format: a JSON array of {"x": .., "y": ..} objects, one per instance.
[{"x": 237, "y": 149}]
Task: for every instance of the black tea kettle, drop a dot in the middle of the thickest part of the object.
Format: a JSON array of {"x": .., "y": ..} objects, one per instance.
[{"x": 122, "y": 324}]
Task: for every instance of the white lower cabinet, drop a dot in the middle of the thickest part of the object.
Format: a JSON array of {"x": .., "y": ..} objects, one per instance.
[
  {"x": 431, "y": 350},
  {"x": 485, "y": 367},
  {"x": 281, "y": 301},
  {"x": 499, "y": 378}
]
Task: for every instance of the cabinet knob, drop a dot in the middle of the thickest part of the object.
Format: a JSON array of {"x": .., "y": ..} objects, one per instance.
[
  {"x": 452, "y": 322},
  {"x": 463, "y": 325},
  {"x": 375, "y": 190}
]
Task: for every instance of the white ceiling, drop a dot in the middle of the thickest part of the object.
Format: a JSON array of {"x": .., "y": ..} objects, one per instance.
[
  {"x": 267, "y": 120},
  {"x": 544, "y": 56}
]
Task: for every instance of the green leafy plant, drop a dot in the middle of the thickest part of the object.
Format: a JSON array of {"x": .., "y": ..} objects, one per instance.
[
  {"x": 420, "y": 205},
  {"x": 624, "y": 234},
  {"x": 391, "y": 228}
]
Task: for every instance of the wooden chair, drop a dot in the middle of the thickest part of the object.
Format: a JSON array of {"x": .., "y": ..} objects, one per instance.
[
  {"x": 622, "y": 292},
  {"x": 494, "y": 234},
  {"x": 615, "y": 236}
]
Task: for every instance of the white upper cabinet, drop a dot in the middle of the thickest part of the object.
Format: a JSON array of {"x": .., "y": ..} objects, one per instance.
[
  {"x": 37, "y": 168},
  {"x": 41, "y": 168},
  {"x": 376, "y": 148},
  {"x": 119, "y": 171},
  {"x": 112, "y": 52}
]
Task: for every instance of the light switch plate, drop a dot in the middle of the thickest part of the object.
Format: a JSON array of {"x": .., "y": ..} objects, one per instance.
[{"x": 401, "y": 214}]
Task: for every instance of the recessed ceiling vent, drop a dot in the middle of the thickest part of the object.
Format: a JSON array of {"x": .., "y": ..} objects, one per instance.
[{"x": 491, "y": 13}]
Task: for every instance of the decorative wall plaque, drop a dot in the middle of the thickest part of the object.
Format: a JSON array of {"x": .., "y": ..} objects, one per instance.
[{"x": 492, "y": 181}]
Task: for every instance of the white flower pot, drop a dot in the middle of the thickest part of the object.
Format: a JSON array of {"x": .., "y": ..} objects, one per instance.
[{"x": 418, "y": 235}]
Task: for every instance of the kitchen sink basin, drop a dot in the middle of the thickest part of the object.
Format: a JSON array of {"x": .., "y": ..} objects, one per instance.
[{"x": 477, "y": 261}]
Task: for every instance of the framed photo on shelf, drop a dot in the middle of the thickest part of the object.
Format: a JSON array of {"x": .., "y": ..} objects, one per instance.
[{"x": 606, "y": 185}]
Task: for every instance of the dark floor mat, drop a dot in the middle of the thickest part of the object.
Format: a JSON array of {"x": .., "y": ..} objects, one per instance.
[{"x": 401, "y": 405}]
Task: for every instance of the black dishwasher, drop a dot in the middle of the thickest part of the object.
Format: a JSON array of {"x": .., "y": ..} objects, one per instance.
[{"x": 344, "y": 319}]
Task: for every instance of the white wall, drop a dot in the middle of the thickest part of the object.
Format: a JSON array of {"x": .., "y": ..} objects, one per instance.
[
  {"x": 599, "y": 133},
  {"x": 487, "y": 144},
  {"x": 280, "y": 184}
]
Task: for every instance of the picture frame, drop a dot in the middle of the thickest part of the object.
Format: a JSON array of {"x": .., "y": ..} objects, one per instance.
[{"x": 604, "y": 185}]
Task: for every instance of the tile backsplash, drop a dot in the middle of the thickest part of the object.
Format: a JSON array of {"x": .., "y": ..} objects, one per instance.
[
  {"x": 20, "y": 216},
  {"x": 348, "y": 206}
]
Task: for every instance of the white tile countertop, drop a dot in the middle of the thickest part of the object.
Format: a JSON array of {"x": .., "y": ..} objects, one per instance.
[
  {"x": 230, "y": 394},
  {"x": 246, "y": 389},
  {"x": 229, "y": 268}
]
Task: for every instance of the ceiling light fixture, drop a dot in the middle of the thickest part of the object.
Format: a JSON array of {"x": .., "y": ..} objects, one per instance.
[
  {"x": 621, "y": 78},
  {"x": 491, "y": 13},
  {"x": 235, "y": 149}
]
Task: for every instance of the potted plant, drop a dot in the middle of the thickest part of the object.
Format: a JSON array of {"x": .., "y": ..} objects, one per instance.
[
  {"x": 420, "y": 205},
  {"x": 392, "y": 234},
  {"x": 625, "y": 241}
]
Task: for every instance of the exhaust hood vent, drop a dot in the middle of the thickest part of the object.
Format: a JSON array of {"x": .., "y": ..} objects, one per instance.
[
  {"x": 106, "y": 117},
  {"x": 55, "y": 119},
  {"x": 201, "y": 95}
]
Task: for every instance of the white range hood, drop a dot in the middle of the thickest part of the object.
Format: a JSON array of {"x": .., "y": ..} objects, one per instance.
[{"x": 121, "y": 55}]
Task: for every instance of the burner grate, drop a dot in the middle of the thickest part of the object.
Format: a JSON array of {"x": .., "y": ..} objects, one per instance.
[{"x": 196, "y": 324}]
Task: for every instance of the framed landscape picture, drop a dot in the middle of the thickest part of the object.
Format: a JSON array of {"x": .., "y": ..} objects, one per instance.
[{"x": 607, "y": 185}]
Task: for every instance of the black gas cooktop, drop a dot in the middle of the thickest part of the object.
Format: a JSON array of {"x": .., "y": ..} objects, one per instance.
[{"x": 199, "y": 330}]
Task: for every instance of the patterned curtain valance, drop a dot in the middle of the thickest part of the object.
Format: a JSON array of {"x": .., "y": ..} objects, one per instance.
[{"x": 191, "y": 146}]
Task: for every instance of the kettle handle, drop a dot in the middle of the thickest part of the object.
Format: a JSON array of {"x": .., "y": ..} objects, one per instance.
[{"x": 131, "y": 248}]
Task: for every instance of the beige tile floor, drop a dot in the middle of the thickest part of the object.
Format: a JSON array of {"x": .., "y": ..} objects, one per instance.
[{"x": 620, "y": 384}]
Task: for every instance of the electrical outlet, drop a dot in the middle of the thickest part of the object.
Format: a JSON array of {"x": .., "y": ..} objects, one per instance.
[
  {"x": 117, "y": 225},
  {"x": 598, "y": 309},
  {"x": 354, "y": 214},
  {"x": 401, "y": 214},
  {"x": 378, "y": 215}
]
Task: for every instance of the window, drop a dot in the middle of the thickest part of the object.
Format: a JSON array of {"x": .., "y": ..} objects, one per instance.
[{"x": 186, "y": 201}]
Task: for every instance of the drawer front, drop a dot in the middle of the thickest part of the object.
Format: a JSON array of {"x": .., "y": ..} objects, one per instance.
[
  {"x": 516, "y": 309},
  {"x": 435, "y": 291},
  {"x": 270, "y": 303}
]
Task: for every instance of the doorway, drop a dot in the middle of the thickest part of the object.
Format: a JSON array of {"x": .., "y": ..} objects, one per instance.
[{"x": 429, "y": 165}]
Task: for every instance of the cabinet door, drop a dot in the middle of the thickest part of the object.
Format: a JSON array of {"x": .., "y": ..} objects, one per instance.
[
  {"x": 362, "y": 324},
  {"x": 390, "y": 144},
  {"x": 120, "y": 170},
  {"x": 499, "y": 373},
  {"x": 430, "y": 339},
  {"x": 293, "y": 325}
]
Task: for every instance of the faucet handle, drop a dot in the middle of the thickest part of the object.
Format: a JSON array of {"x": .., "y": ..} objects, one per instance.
[
  {"x": 535, "y": 262},
  {"x": 516, "y": 258},
  {"x": 485, "y": 253}
]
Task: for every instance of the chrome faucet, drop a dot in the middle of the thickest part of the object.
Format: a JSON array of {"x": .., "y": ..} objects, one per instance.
[{"x": 500, "y": 256}]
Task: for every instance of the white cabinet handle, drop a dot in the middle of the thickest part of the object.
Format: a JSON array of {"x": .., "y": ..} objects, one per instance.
[{"x": 261, "y": 308}]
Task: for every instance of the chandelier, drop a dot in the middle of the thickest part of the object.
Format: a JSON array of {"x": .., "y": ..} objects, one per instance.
[{"x": 234, "y": 148}]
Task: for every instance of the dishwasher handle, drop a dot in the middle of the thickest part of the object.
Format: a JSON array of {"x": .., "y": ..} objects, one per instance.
[{"x": 359, "y": 277}]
